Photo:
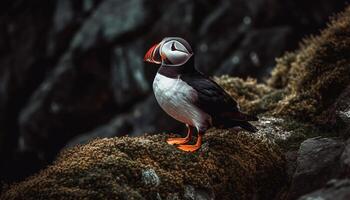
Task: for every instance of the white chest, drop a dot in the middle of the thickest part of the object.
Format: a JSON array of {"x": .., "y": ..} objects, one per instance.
[{"x": 176, "y": 98}]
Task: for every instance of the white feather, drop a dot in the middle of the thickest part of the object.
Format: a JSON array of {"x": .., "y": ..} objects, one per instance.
[{"x": 176, "y": 98}]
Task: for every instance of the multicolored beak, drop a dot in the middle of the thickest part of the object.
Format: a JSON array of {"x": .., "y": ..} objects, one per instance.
[{"x": 153, "y": 55}]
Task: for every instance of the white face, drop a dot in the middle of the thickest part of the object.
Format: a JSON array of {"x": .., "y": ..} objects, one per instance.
[{"x": 175, "y": 52}]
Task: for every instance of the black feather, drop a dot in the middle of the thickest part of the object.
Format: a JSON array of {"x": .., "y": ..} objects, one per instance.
[
  {"x": 247, "y": 126},
  {"x": 212, "y": 99}
]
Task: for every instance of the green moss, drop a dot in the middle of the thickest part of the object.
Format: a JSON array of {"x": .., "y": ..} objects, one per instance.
[{"x": 231, "y": 165}]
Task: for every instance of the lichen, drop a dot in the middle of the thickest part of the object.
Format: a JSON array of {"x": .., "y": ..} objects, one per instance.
[{"x": 234, "y": 165}]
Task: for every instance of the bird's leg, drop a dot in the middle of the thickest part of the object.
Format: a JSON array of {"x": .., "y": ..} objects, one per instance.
[
  {"x": 192, "y": 148},
  {"x": 181, "y": 140}
]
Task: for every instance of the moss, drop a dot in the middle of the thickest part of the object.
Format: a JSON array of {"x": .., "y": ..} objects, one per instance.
[
  {"x": 303, "y": 86},
  {"x": 248, "y": 93},
  {"x": 305, "y": 82},
  {"x": 315, "y": 74},
  {"x": 230, "y": 165},
  {"x": 300, "y": 132}
]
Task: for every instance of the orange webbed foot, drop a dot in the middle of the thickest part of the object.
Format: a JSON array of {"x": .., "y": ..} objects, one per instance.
[
  {"x": 181, "y": 140},
  {"x": 189, "y": 148},
  {"x": 173, "y": 141},
  {"x": 194, "y": 147}
]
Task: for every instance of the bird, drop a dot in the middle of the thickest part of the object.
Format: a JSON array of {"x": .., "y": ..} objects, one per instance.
[{"x": 189, "y": 96}]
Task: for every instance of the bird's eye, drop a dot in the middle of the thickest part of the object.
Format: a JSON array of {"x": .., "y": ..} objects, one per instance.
[{"x": 173, "y": 46}]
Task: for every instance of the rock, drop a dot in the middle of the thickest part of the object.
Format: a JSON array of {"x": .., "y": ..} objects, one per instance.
[
  {"x": 339, "y": 112},
  {"x": 223, "y": 29},
  {"x": 256, "y": 54},
  {"x": 335, "y": 189},
  {"x": 345, "y": 160},
  {"x": 78, "y": 93},
  {"x": 220, "y": 28},
  {"x": 78, "y": 97},
  {"x": 317, "y": 162},
  {"x": 111, "y": 20},
  {"x": 66, "y": 21},
  {"x": 236, "y": 166},
  {"x": 23, "y": 67},
  {"x": 150, "y": 178},
  {"x": 128, "y": 74},
  {"x": 166, "y": 25},
  {"x": 191, "y": 193}
]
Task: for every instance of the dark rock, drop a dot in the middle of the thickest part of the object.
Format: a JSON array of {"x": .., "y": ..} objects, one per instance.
[
  {"x": 317, "y": 162},
  {"x": 291, "y": 158},
  {"x": 77, "y": 96},
  {"x": 220, "y": 28},
  {"x": 70, "y": 101},
  {"x": 334, "y": 190},
  {"x": 111, "y": 20},
  {"x": 127, "y": 74},
  {"x": 345, "y": 160},
  {"x": 192, "y": 193},
  {"x": 173, "y": 18},
  {"x": 67, "y": 19},
  {"x": 23, "y": 27},
  {"x": 339, "y": 111},
  {"x": 257, "y": 52}
]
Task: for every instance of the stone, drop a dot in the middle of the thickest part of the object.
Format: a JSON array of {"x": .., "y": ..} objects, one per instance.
[
  {"x": 78, "y": 97},
  {"x": 345, "y": 160},
  {"x": 256, "y": 54},
  {"x": 150, "y": 178},
  {"x": 334, "y": 190},
  {"x": 111, "y": 20},
  {"x": 128, "y": 74},
  {"x": 317, "y": 163}
]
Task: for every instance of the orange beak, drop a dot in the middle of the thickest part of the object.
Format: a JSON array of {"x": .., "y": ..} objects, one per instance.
[{"x": 153, "y": 55}]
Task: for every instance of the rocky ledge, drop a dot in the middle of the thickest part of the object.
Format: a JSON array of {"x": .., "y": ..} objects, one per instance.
[{"x": 230, "y": 165}]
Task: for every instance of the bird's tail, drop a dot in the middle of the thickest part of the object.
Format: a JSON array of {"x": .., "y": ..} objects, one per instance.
[
  {"x": 247, "y": 126},
  {"x": 239, "y": 116}
]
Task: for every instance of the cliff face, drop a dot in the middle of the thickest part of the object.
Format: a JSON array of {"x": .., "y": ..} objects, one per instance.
[{"x": 300, "y": 146}]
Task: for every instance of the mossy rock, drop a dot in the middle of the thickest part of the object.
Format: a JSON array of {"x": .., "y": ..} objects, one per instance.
[
  {"x": 230, "y": 165},
  {"x": 316, "y": 74},
  {"x": 304, "y": 83}
]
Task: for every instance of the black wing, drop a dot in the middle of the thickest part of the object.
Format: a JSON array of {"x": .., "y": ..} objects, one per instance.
[{"x": 212, "y": 99}]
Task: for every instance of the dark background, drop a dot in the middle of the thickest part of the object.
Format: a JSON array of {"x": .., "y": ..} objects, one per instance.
[{"x": 71, "y": 71}]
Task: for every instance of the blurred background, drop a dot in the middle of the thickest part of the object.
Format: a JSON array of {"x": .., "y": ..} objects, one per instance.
[{"x": 72, "y": 70}]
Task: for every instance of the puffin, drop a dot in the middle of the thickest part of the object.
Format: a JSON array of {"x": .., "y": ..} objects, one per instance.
[{"x": 189, "y": 96}]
